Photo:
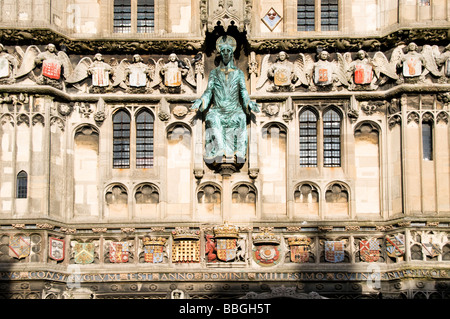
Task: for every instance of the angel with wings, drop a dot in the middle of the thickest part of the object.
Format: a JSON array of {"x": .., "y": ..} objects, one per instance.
[
  {"x": 443, "y": 60},
  {"x": 281, "y": 73},
  {"x": 135, "y": 77},
  {"x": 8, "y": 66},
  {"x": 54, "y": 64},
  {"x": 100, "y": 72},
  {"x": 329, "y": 74},
  {"x": 169, "y": 76},
  {"x": 415, "y": 66}
]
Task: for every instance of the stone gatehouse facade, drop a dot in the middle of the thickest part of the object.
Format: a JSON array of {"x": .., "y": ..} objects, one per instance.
[{"x": 345, "y": 189}]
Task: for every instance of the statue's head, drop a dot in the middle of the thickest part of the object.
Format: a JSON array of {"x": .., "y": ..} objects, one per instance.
[
  {"x": 323, "y": 55},
  {"x": 361, "y": 54},
  {"x": 137, "y": 58},
  {"x": 51, "y": 48},
  {"x": 173, "y": 57},
  {"x": 282, "y": 56},
  {"x": 98, "y": 57},
  {"x": 412, "y": 47},
  {"x": 226, "y": 46}
]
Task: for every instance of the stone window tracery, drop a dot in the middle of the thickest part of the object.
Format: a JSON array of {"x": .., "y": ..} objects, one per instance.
[
  {"x": 331, "y": 139},
  {"x": 308, "y": 139},
  {"x": 22, "y": 184},
  {"x": 121, "y": 140}
]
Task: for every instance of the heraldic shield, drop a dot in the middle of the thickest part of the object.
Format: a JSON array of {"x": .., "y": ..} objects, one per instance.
[
  {"x": 226, "y": 248},
  {"x": 56, "y": 249},
  {"x": 300, "y": 248},
  {"x": 369, "y": 250},
  {"x": 153, "y": 249},
  {"x": 431, "y": 250},
  {"x": 363, "y": 74},
  {"x": 19, "y": 246},
  {"x": 118, "y": 252},
  {"x": 51, "y": 68},
  {"x": 282, "y": 76},
  {"x": 334, "y": 251},
  {"x": 267, "y": 254},
  {"x": 83, "y": 253},
  {"x": 395, "y": 245},
  {"x": 412, "y": 67},
  {"x": 226, "y": 241}
]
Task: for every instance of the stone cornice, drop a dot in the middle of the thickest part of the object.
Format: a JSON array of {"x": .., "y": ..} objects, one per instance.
[
  {"x": 192, "y": 44},
  {"x": 156, "y": 98},
  {"x": 428, "y": 35}
]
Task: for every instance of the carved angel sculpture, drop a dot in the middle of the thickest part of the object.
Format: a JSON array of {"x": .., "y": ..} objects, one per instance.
[
  {"x": 415, "y": 65},
  {"x": 135, "y": 76},
  {"x": 361, "y": 72},
  {"x": 8, "y": 66},
  {"x": 54, "y": 64},
  {"x": 97, "y": 68},
  {"x": 443, "y": 61},
  {"x": 327, "y": 73},
  {"x": 282, "y": 73},
  {"x": 387, "y": 69},
  {"x": 169, "y": 76}
]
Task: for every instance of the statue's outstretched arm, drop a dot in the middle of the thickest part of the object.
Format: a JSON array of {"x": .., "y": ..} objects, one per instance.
[{"x": 202, "y": 103}]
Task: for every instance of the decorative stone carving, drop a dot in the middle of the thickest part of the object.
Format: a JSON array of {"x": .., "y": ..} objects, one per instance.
[
  {"x": 226, "y": 13},
  {"x": 282, "y": 73},
  {"x": 169, "y": 76},
  {"x": 54, "y": 63},
  {"x": 8, "y": 66},
  {"x": 226, "y": 130},
  {"x": 134, "y": 77},
  {"x": 100, "y": 72}
]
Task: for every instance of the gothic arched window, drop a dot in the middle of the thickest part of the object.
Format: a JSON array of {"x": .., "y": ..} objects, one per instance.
[
  {"x": 331, "y": 139},
  {"x": 22, "y": 185},
  {"x": 121, "y": 140},
  {"x": 144, "y": 139},
  {"x": 308, "y": 139}
]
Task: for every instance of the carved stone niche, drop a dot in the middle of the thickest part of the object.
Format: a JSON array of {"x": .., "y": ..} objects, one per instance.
[{"x": 226, "y": 13}]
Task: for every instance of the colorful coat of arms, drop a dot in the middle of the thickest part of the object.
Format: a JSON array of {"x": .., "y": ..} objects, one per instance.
[
  {"x": 323, "y": 73},
  {"x": 282, "y": 75},
  {"x": 369, "y": 250},
  {"x": 118, "y": 252},
  {"x": 266, "y": 254},
  {"x": 100, "y": 76},
  {"x": 154, "y": 249},
  {"x": 431, "y": 249},
  {"x": 412, "y": 66},
  {"x": 300, "y": 249},
  {"x": 83, "y": 253},
  {"x": 334, "y": 251},
  {"x": 186, "y": 246},
  {"x": 172, "y": 76},
  {"x": 363, "y": 73},
  {"x": 19, "y": 246},
  {"x": 226, "y": 248},
  {"x": 56, "y": 249},
  {"x": 395, "y": 245},
  {"x": 226, "y": 241},
  {"x": 266, "y": 251},
  {"x": 51, "y": 68}
]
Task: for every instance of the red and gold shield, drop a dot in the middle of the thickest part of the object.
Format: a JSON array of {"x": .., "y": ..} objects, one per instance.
[
  {"x": 118, "y": 252},
  {"x": 363, "y": 74},
  {"x": 369, "y": 250},
  {"x": 51, "y": 68}
]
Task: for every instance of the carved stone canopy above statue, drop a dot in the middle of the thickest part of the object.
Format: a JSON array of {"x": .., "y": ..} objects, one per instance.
[{"x": 225, "y": 13}]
